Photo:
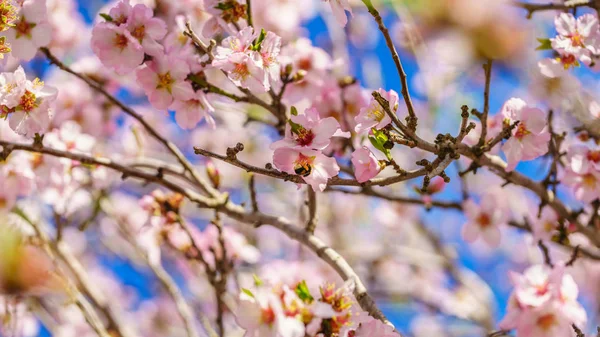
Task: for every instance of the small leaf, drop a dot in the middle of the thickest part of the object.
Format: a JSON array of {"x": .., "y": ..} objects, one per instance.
[
  {"x": 545, "y": 44},
  {"x": 259, "y": 40},
  {"x": 247, "y": 292},
  {"x": 257, "y": 281},
  {"x": 379, "y": 139},
  {"x": 106, "y": 17},
  {"x": 294, "y": 111},
  {"x": 303, "y": 292}
]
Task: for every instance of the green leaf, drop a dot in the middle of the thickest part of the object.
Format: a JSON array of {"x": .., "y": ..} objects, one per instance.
[
  {"x": 259, "y": 40},
  {"x": 294, "y": 111},
  {"x": 257, "y": 281},
  {"x": 224, "y": 6},
  {"x": 303, "y": 292},
  {"x": 247, "y": 292},
  {"x": 106, "y": 17},
  {"x": 378, "y": 139},
  {"x": 545, "y": 44}
]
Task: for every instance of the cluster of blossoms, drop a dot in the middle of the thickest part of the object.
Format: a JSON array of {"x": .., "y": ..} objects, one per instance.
[
  {"x": 292, "y": 311},
  {"x": 250, "y": 59},
  {"x": 25, "y": 28},
  {"x": 300, "y": 152},
  {"x": 544, "y": 303},
  {"x": 26, "y": 104},
  {"x": 250, "y": 64},
  {"x": 578, "y": 40},
  {"x": 130, "y": 39}
]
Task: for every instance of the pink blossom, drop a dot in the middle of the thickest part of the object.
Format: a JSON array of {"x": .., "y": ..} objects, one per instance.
[
  {"x": 339, "y": 8},
  {"x": 147, "y": 29},
  {"x": 484, "y": 219},
  {"x": 120, "y": 12},
  {"x": 116, "y": 48},
  {"x": 261, "y": 315},
  {"x": 546, "y": 225},
  {"x": 530, "y": 138},
  {"x": 17, "y": 180},
  {"x": 309, "y": 66},
  {"x": 246, "y": 65},
  {"x": 164, "y": 80},
  {"x": 374, "y": 116},
  {"x": 27, "y": 104},
  {"x": 190, "y": 112},
  {"x": 310, "y": 131},
  {"x": 583, "y": 172},
  {"x": 31, "y": 31},
  {"x": 544, "y": 303},
  {"x": 576, "y": 36},
  {"x": 375, "y": 328},
  {"x": 314, "y": 167},
  {"x": 558, "y": 66},
  {"x": 366, "y": 166}
]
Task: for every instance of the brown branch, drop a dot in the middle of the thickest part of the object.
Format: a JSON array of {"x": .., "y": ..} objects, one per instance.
[
  {"x": 311, "y": 225},
  {"x": 334, "y": 181},
  {"x": 486, "y": 102},
  {"x": 412, "y": 117},
  {"x": 129, "y": 111},
  {"x": 532, "y": 7}
]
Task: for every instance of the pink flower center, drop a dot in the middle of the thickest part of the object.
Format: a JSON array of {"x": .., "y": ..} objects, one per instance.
[
  {"x": 120, "y": 41},
  {"x": 303, "y": 165},
  {"x": 28, "y": 101},
  {"x": 305, "y": 137},
  {"x": 241, "y": 71},
  {"x": 267, "y": 316},
  {"x": 139, "y": 32},
  {"x": 521, "y": 131},
  {"x": 165, "y": 81},
  {"x": 568, "y": 61},
  {"x": 24, "y": 28},
  {"x": 546, "y": 322},
  {"x": 594, "y": 156},
  {"x": 8, "y": 14},
  {"x": 589, "y": 180},
  {"x": 577, "y": 40},
  {"x": 484, "y": 220}
]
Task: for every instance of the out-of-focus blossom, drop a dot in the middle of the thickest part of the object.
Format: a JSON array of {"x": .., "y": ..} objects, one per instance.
[
  {"x": 339, "y": 8},
  {"x": 577, "y": 36},
  {"x": 484, "y": 220},
  {"x": 116, "y": 48},
  {"x": 582, "y": 172}
]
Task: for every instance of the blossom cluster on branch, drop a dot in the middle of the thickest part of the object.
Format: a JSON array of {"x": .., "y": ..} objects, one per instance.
[{"x": 211, "y": 168}]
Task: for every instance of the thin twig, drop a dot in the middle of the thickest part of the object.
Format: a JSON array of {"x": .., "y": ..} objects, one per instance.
[{"x": 311, "y": 224}]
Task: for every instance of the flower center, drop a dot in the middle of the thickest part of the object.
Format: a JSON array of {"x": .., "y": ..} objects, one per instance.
[
  {"x": 28, "y": 101},
  {"x": 24, "y": 28},
  {"x": 241, "y": 71},
  {"x": 484, "y": 220},
  {"x": 267, "y": 316},
  {"x": 139, "y": 32},
  {"x": 232, "y": 11},
  {"x": 165, "y": 81},
  {"x": 8, "y": 14},
  {"x": 304, "y": 137},
  {"x": 594, "y": 156},
  {"x": 568, "y": 61},
  {"x": 376, "y": 113},
  {"x": 577, "y": 40},
  {"x": 589, "y": 180},
  {"x": 37, "y": 160},
  {"x": 303, "y": 165},
  {"x": 521, "y": 131},
  {"x": 120, "y": 41},
  {"x": 546, "y": 322}
]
